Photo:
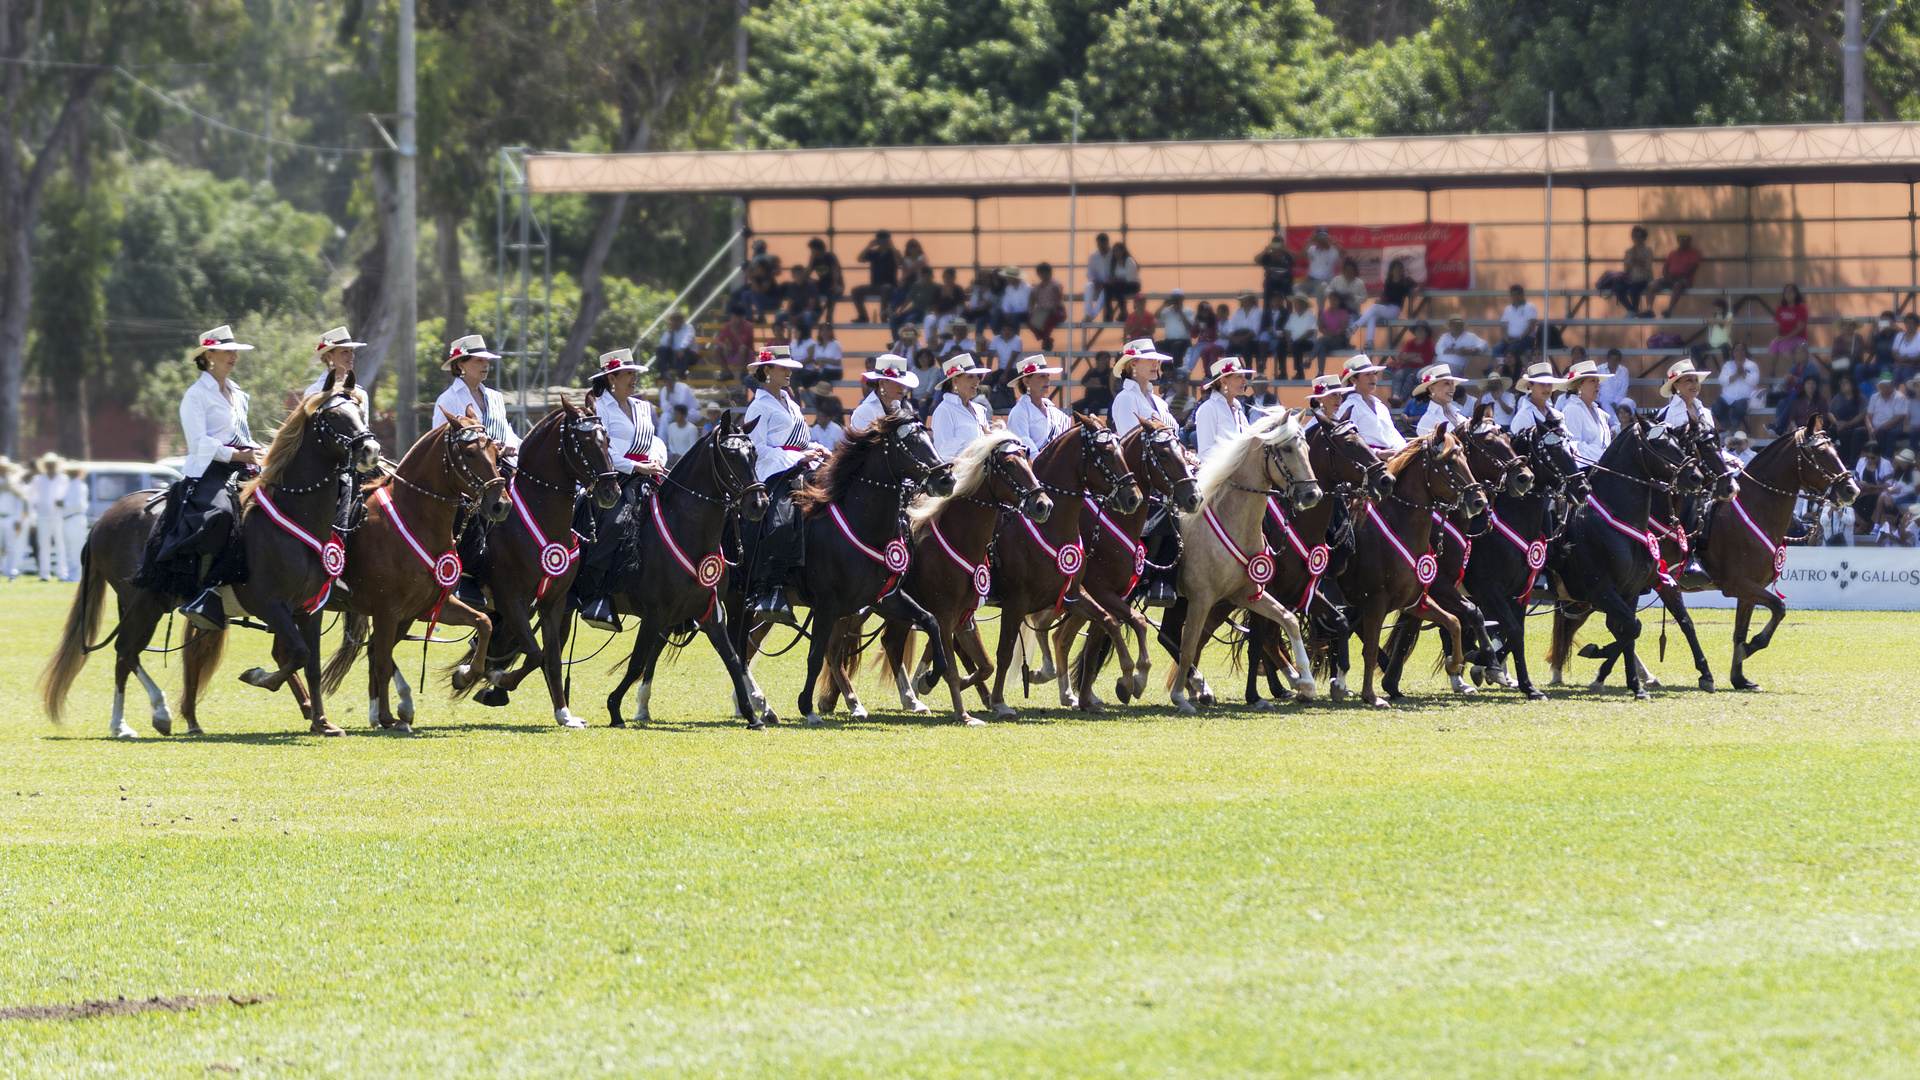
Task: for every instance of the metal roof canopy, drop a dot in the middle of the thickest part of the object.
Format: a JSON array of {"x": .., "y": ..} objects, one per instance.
[{"x": 1813, "y": 153}]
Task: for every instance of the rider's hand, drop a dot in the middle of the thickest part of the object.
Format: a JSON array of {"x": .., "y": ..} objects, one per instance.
[{"x": 246, "y": 457}]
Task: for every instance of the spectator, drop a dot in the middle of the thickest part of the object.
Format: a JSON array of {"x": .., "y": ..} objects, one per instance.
[
  {"x": 1906, "y": 349},
  {"x": 1811, "y": 401},
  {"x": 908, "y": 341},
  {"x": 1005, "y": 345},
  {"x": 1394, "y": 292},
  {"x": 826, "y": 275},
  {"x": 947, "y": 304},
  {"x": 1739, "y": 381},
  {"x": 912, "y": 258},
  {"x": 1175, "y": 320},
  {"x": 1140, "y": 322},
  {"x": 1677, "y": 273},
  {"x": 1521, "y": 321},
  {"x": 1458, "y": 346},
  {"x": 1497, "y": 390},
  {"x": 1849, "y": 413},
  {"x": 1099, "y": 272},
  {"x": 1241, "y": 330},
  {"x": 926, "y": 368},
  {"x": 1789, "y": 321},
  {"x": 828, "y": 430},
  {"x": 1016, "y": 299},
  {"x": 1276, "y": 264},
  {"x": 1913, "y": 411},
  {"x": 1348, "y": 290},
  {"x": 1805, "y": 367},
  {"x": 959, "y": 340},
  {"x": 1323, "y": 259},
  {"x": 1624, "y": 411},
  {"x": 981, "y": 299},
  {"x": 1850, "y": 351},
  {"x": 1297, "y": 336},
  {"x": 1872, "y": 471},
  {"x": 1416, "y": 353},
  {"x": 829, "y": 355},
  {"x": 1124, "y": 282},
  {"x": 1740, "y": 445},
  {"x": 763, "y": 292},
  {"x": 1885, "y": 330},
  {"x": 1206, "y": 341},
  {"x": 677, "y": 344},
  {"x": 1886, "y": 413},
  {"x": 1720, "y": 331},
  {"x": 883, "y": 276},
  {"x": 733, "y": 346},
  {"x": 1615, "y": 380},
  {"x": 802, "y": 299},
  {"x": 1263, "y": 397},
  {"x": 674, "y": 392},
  {"x": 916, "y": 301},
  {"x": 680, "y": 435},
  {"x": 1636, "y": 273},
  {"x": 1047, "y": 308},
  {"x": 1336, "y": 334},
  {"x": 1896, "y": 495},
  {"x": 1097, "y": 385}
]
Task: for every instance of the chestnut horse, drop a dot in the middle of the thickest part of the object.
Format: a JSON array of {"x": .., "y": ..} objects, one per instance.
[
  {"x": 290, "y": 569},
  {"x": 401, "y": 561}
]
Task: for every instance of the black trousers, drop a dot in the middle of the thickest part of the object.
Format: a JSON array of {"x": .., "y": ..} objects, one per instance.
[
  {"x": 779, "y": 547},
  {"x": 206, "y": 518}
]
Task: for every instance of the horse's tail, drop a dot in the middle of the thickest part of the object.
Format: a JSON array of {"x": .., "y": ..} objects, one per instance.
[
  {"x": 352, "y": 640},
  {"x": 1560, "y": 644},
  {"x": 83, "y": 621}
]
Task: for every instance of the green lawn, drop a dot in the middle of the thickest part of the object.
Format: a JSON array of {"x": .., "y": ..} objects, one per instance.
[{"x": 1705, "y": 886}]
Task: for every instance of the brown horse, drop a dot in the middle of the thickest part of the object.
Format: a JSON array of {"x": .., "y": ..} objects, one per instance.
[
  {"x": 1393, "y": 562},
  {"x": 284, "y": 516},
  {"x": 1115, "y": 558},
  {"x": 531, "y": 556},
  {"x": 953, "y": 540},
  {"x": 401, "y": 563}
]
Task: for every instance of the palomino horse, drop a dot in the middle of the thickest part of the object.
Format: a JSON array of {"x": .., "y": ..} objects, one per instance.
[
  {"x": 401, "y": 561},
  {"x": 532, "y": 554},
  {"x": 953, "y": 541},
  {"x": 1393, "y": 564},
  {"x": 1039, "y": 568},
  {"x": 679, "y": 570},
  {"x": 1223, "y": 550},
  {"x": 284, "y": 514},
  {"x": 1115, "y": 559}
]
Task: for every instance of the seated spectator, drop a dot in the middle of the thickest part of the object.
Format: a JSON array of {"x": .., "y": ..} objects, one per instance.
[
  {"x": 1615, "y": 380},
  {"x": 1885, "y": 330},
  {"x": 762, "y": 291},
  {"x": 680, "y": 435},
  {"x": 907, "y": 341},
  {"x": 883, "y": 276},
  {"x": 1006, "y": 347},
  {"x": 1521, "y": 322},
  {"x": 1123, "y": 283},
  {"x": 1889, "y": 508},
  {"x": 828, "y": 428},
  {"x": 1298, "y": 334},
  {"x": 828, "y": 355},
  {"x": 1789, "y": 320},
  {"x": 1416, "y": 353},
  {"x": 1175, "y": 320},
  {"x": 1887, "y": 413},
  {"x": 912, "y": 258},
  {"x": 1349, "y": 289},
  {"x": 1624, "y": 411},
  {"x": 1805, "y": 366},
  {"x": 674, "y": 392},
  {"x": 827, "y": 276},
  {"x": 1096, "y": 398},
  {"x": 926, "y": 368},
  {"x": 1811, "y": 401},
  {"x": 1394, "y": 292},
  {"x": 1740, "y": 445},
  {"x": 1872, "y": 470},
  {"x": 1636, "y": 273},
  {"x": 1206, "y": 342},
  {"x": 1458, "y": 346},
  {"x": 1263, "y": 397},
  {"x": 733, "y": 346},
  {"x": 1016, "y": 299},
  {"x": 1496, "y": 390},
  {"x": 1677, "y": 273},
  {"x": 1047, "y": 308},
  {"x": 948, "y": 301},
  {"x": 1719, "y": 331},
  {"x": 958, "y": 339},
  {"x": 1276, "y": 277},
  {"x": 1323, "y": 262},
  {"x": 1241, "y": 331},
  {"x": 1140, "y": 322},
  {"x": 677, "y": 349},
  {"x": 802, "y": 298},
  {"x": 1336, "y": 334},
  {"x": 1850, "y": 352},
  {"x": 1906, "y": 349},
  {"x": 916, "y": 301},
  {"x": 1739, "y": 380},
  {"x": 1849, "y": 413},
  {"x": 1913, "y": 411},
  {"x": 1903, "y": 532}
]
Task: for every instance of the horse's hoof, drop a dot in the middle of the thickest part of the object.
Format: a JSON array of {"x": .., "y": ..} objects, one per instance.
[
  {"x": 1706, "y": 683},
  {"x": 1743, "y": 684},
  {"x": 1337, "y": 693},
  {"x": 1592, "y": 652},
  {"x": 1187, "y": 709},
  {"x": 858, "y": 712},
  {"x": 1205, "y": 697},
  {"x": 492, "y": 697},
  {"x": 813, "y": 720},
  {"x": 400, "y": 728},
  {"x": 162, "y": 724},
  {"x": 1263, "y": 705},
  {"x": 1534, "y": 693},
  {"x": 326, "y": 728},
  {"x": 757, "y": 725},
  {"x": 1651, "y": 683},
  {"x": 1123, "y": 691},
  {"x": 1596, "y": 686},
  {"x": 1642, "y": 695},
  {"x": 570, "y": 722},
  {"x": 1379, "y": 703},
  {"x": 769, "y": 717},
  {"x": 921, "y": 708},
  {"x": 194, "y": 729},
  {"x": 1003, "y": 711},
  {"x": 126, "y": 733},
  {"x": 256, "y": 677},
  {"x": 969, "y": 721},
  {"x": 1478, "y": 674}
]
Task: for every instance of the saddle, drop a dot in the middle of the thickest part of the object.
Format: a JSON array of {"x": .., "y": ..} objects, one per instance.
[{"x": 180, "y": 577}]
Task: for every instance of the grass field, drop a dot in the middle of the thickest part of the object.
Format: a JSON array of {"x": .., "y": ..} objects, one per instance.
[{"x": 1703, "y": 886}]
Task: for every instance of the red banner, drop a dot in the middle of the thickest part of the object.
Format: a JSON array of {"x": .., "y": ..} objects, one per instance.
[{"x": 1437, "y": 254}]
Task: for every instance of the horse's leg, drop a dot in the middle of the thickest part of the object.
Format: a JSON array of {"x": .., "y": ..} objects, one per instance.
[
  {"x": 199, "y": 656},
  {"x": 754, "y": 637},
  {"x": 1776, "y": 611},
  {"x": 1564, "y": 627},
  {"x": 556, "y": 624},
  {"x": 722, "y": 641},
  {"x": 1111, "y": 621},
  {"x": 138, "y": 620},
  {"x": 819, "y": 649},
  {"x": 1301, "y": 673},
  {"x": 627, "y": 679},
  {"x": 1743, "y": 647},
  {"x": 1373, "y": 616},
  {"x": 1031, "y": 643},
  {"x": 950, "y": 645},
  {"x": 1400, "y": 644},
  {"x": 971, "y": 647},
  {"x": 1193, "y": 633},
  {"x": 1677, "y": 607},
  {"x": 317, "y": 722},
  {"x": 289, "y": 647},
  {"x": 381, "y": 673},
  {"x": 1624, "y": 623},
  {"x": 1061, "y": 643},
  {"x": 893, "y": 643},
  {"x": 844, "y": 661},
  {"x": 1012, "y": 632},
  {"x": 826, "y": 688},
  {"x": 455, "y": 613},
  {"x": 647, "y": 646},
  {"x": 1450, "y": 626}
]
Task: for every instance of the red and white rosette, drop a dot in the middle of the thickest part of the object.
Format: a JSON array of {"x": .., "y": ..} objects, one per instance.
[
  {"x": 1536, "y": 554},
  {"x": 895, "y": 557},
  {"x": 1779, "y": 560},
  {"x": 446, "y": 570},
  {"x": 333, "y": 557},
  {"x": 982, "y": 580},
  {"x": 1317, "y": 559},
  {"x": 708, "y": 572},
  {"x": 554, "y": 560},
  {"x": 1139, "y": 559},
  {"x": 1260, "y": 568},
  {"x": 1070, "y": 559},
  {"x": 1426, "y": 568}
]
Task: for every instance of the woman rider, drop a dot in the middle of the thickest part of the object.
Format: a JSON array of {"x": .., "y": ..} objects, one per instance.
[
  {"x": 213, "y": 414},
  {"x": 959, "y": 419},
  {"x": 1035, "y": 419},
  {"x": 1222, "y": 414},
  {"x": 468, "y": 361},
  {"x": 335, "y": 353},
  {"x": 1437, "y": 384},
  {"x": 892, "y": 376},
  {"x": 639, "y": 455},
  {"x": 1139, "y": 363},
  {"x": 1590, "y": 425},
  {"x": 785, "y": 455},
  {"x": 1538, "y": 384},
  {"x": 1683, "y": 387}
]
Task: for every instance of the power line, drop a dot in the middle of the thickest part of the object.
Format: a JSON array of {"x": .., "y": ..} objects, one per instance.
[{"x": 224, "y": 126}]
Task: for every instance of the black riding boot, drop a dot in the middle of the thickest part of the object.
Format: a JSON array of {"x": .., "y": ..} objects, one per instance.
[
  {"x": 206, "y": 610},
  {"x": 778, "y": 551}
]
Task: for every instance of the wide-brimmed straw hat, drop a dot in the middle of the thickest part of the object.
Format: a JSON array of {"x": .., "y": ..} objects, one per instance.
[
  {"x": 1033, "y": 365},
  {"x": 1013, "y": 273},
  {"x": 776, "y": 355},
  {"x": 1540, "y": 374},
  {"x": 1327, "y": 386},
  {"x": 1225, "y": 366},
  {"x": 1138, "y": 349},
  {"x": 1679, "y": 371},
  {"x": 961, "y": 363},
  {"x": 218, "y": 339},
  {"x": 337, "y": 338},
  {"x": 893, "y": 368},
  {"x": 1433, "y": 375},
  {"x": 1358, "y": 364},
  {"x": 466, "y": 348},
  {"x": 1585, "y": 369},
  {"x": 1496, "y": 377},
  {"x": 612, "y": 362}
]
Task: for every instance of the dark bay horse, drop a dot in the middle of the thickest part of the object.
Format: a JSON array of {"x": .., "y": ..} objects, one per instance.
[
  {"x": 401, "y": 561},
  {"x": 293, "y": 556},
  {"x": 680, "y": 571},
  {"x": 532, "y": 554}
]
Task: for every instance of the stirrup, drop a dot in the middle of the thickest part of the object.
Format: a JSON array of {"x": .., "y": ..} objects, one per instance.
[
  {"x": 1161, "y": 594},
  {"x": 771, "y": 606},
  {"x": 599, "y": 614},
  {"x": 469, "y": 593},
  {"x": 206, "y": 611}
]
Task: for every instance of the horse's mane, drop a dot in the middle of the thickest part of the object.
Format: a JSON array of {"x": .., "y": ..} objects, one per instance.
[
  {"x": 970, "y": 474},
  {"x": 434, "y": 436},
  {"x": 1227, "y": 457},
  {"x": 832, "y": 482},
  {"x": 1406, "y": 454},
  {"x": 286, "y": 444}
]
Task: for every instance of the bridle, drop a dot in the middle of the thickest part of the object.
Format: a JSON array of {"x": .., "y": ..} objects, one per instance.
[
  {"x": 1480, "y": 441},
  {"x": 736, "y": 489},
  {"x": 1642, "y": 444},
  {"x": 1352, "y": 451},
  {"x": 1273, "y": 456},
  {"x": 1089, "y": 440},
  {"x": 1430, "y": 461},
  {"x": 997, "y": 467},
  {"x": 1152, "y": 445},
  {"x": 1805, "y": 451},
  {"x": 573, "y": 457},
  {"x": 345, "y": 445},
  {"x": 469, "y": 482}
]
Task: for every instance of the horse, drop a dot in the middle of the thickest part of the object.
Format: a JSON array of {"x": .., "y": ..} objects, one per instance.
[
  {"x": 1039, "y": 568},
  {"x": 680, "y": 570},
  {"x": 392, "y": 570},
  {"x": 948, "y": 577},
  {"x": 1495, "y": 467},
  {"x": 1115, "y": 559},
  {"x": 1393, "y": 565},
  {"x": 532, "y": 555},
  {"x": 290, "y": 570},
  {"x": 1269, "y": 458},
  {"x": 1604, "y": 558}
]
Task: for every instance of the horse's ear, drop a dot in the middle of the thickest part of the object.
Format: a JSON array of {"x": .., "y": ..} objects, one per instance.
[
  {"x": 332, "y": 376},
  {"x": 1815, "y": 423},
  {"x": 747, "y": 428},
  {"x": 448, "y": 415},
  {"x": 471, "y": 415},
  {"x": 348, "y": 385},
  {"x": 1481, "y": 412}
]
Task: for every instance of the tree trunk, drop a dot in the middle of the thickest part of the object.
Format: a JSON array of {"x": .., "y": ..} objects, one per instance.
[
  {"x": 368, "y": 301},
  {"x": 16, "y": 299},
  {"x": 453, "y": 282},
  {"x": 593, "y": 295}
]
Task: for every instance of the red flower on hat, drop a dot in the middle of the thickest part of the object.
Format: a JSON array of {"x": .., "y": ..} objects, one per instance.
[
  {"x": 612, "y": 362},
  {"x": 765, "y": 355},
  {"x": 211, "y": 341}
]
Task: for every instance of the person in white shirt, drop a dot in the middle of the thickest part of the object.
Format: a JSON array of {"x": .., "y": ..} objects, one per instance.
[
  {"x": 15, "y": 516},
  {"x": 1590, "y": 425},
  {"x": 1323, "y": 259},
  {"x": 469, "y": 362},
  {"x": 1740, "y": 445},
  {"x": 1872, "y": 469},
  {"x": 213, "y": 414},
  {"x": 674, "y": 392},
  {"x": 1906, "y": 343},
  {"x": 73, "y": 520},
  {"x": 639, "y": 455},
  {"x": 1222, "y": 415},
  {"x": 335, "y": 352},
  {"x": 677, "y": 344},
  {"x": 1302, "y": 328},
  {"x": 1368, "y": 414},
  {"x": 1886, "y": 410},
  {"x": 959, "y": 419},
  {"x": 680, "y": 435},
  {"x": 892, "y": 379},
  {"x": 1035, "y": 420},
  {"x": 1682, "y": 386},
  {"x": 1176, "y": 321},
  {"x": 1537, "y": 385},
  {"x": 1615, "y": 381},
  {"x": 1324, "y": 399},
  {"x": 1241, "y": 330},
  {"x": 828, "y": 356},
  {"x": 1494, "y": 390},
  {"x": 1521, "y": 321},
  {"x": 1438, "y": 384},
  {"x": 784, "y": 454},
  {"x": 826, "y": 423},
  {"x": 1139, "y": 364},
  {"x": 1739, "y": 378},
  {"x": 46, "y": 487},
  {"x": 959, "y": 340},
  {"x": 1349, "y": 290},
  {"x": 1099, "y": 272},
  {"x": 1458, "y": 346},
  {"x": 1006, "y": 344},
  {"x": 1016, "y": 300}
]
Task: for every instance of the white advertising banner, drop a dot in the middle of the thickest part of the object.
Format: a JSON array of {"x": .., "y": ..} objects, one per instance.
[{"x": 1841, "y": 579}]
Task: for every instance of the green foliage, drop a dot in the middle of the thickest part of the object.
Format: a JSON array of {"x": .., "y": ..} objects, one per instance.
[
  {"x": 79, "y": 236},
  {"x": 274, "y": 374}
]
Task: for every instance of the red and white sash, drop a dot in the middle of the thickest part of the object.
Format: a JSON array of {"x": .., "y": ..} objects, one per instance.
[
  {"x": 1465, "y": 542},
  {"x": 1647, "y": 539},
  {"x": 1259, "y": 566},
  {"x": 706, "y": 574},
  {"x": 1779, "y": 549},
  {"x": 1068, "y": 558},
  {"x": 554, "y": 559},
  {"x": 981, "y": 575},
  {"x": 333, "y": 553},
  {"x": 1315, "y": 557},
  {"x": 896, "y": 557},
  {"x": 445, "y": 568},
  {"x": 1139, "y": 549},
  {"x": 1535, "y": 552},
  {"x": 1425, "y": 568}
]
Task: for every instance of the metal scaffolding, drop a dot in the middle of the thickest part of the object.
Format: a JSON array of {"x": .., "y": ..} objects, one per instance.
[{"x": 523, "y": 305}]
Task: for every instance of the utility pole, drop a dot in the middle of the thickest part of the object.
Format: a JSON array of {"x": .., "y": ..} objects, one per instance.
[
  {"x": 407, "y": 389},
  {"x": 1852, "y": 59},
  {"x": 742, "y": 9}
]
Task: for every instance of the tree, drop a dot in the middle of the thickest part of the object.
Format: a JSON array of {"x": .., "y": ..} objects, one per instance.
[{"x": 69, "y": 344}]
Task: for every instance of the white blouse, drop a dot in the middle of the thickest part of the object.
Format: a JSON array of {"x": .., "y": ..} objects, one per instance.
[
  {"x": 781, "y": 438},
  {"x": 957, "y": 423},
  {"x": 214, "y": 425},
  {"x": 1373, "y": 420},
  {"x": 1036, "y": 425},
  {"x": 1441, "y": 413},
  {"x": 631, "y": 440},
  {"x": 1130, "y": 405},
  {"x": 492, "y": 411},
  {"x": 1591, "y": 427},
  {"x": 1526, "y": 414},
  {"x": 1219, "y": 418}
]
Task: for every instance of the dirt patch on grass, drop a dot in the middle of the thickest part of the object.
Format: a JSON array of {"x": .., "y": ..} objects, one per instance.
[{"x": 125, "y": 1006}]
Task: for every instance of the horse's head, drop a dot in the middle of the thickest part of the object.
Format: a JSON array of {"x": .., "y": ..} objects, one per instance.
[
  {"x": 583, "y": 449},
  {"x": 1821, "y": 470},
  {"x": 1350, "y": 461},
  {"x": 342, "y": 427},
  {"x": 1714, "y": 468},
  {"x": 909, "y": 454},
  {"x": 1549, "y": 454},
  {"x": 1153, "y": 450},
  {"x": 732, "y": 455},
  {"x": 1665, "y": 459},
  {"x": 473, "y": 462},
  {"x": 1104, "y": 466},
  {"x": 1449, "y": 477},
  {"x": 1010, "y": 479},
  {"x": 1283, "y": 445},
  {"x": 1492, "y": 459}
]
